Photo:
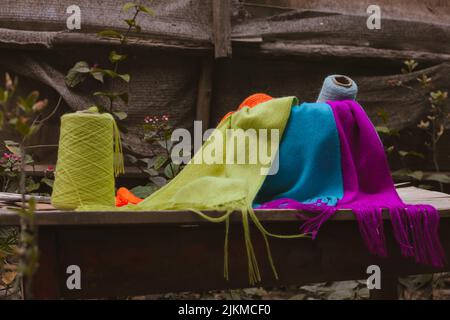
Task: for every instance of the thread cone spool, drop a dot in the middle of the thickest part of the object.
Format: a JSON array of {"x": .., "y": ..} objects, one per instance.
[
  {"x": 338, "y": 87},
  {"x": 89, "y": 155}
]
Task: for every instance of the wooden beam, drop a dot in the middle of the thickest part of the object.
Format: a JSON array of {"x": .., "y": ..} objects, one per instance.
[
  {"x": 221, "y": 28},
  {"x": 293, "y": 48},
  {"x": 47, "y": 285},
  {"x": 388, "y": 290},
  {"x": 151, "y": 256},
  {"x": 204, "y": 94}
]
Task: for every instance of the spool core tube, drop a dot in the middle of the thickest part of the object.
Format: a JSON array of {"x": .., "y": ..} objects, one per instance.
[{"x": 343, "y": 81}]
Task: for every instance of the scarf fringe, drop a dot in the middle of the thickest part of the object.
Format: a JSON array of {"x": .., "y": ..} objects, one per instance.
[
  {"x": 248, "y": 215},
  {"x": 370, "y": 221},
  {"x": 415, "y": 227},
  {"x": 312, "y": 224}
]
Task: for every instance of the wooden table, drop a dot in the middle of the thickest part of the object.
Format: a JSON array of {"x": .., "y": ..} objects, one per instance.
[{"x": 136, "y": 253}]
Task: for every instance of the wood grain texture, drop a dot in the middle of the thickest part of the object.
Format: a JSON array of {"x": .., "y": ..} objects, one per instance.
[
  {"x": 120, "y": 261},
  {"x": 47, "y": 285},
  {"x": 179, "y": 19},
  {"x": 221, "y": 28},
  {"x": 413, "y": 10},
  {"x": 204, "y": 92},
  {"x": 73, "y": 218}
]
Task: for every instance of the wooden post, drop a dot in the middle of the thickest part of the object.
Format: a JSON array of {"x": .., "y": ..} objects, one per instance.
[
  {"x": 221, "y": 28},
  {"x": 204, "y": 93},
  {"x": 46, "y": 282},
  {"x": 389, "y": 288}
]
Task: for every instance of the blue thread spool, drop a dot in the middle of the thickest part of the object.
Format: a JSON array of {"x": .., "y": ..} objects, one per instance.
[{"x": 338, "y": 87}]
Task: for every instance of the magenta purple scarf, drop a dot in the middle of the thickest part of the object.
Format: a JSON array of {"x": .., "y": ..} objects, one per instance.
[{"x": 368, "y": 189}]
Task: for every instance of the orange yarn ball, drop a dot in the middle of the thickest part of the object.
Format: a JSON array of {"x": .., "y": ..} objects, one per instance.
[
  {"x": 254, "y": 100},
  {"x": 251, "y": 102}
]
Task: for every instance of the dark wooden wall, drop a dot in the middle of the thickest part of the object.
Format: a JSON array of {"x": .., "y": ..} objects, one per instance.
[{"x": 200, "y": 59}]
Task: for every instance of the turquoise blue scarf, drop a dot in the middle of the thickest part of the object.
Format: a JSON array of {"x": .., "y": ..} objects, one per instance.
[{"x": 309, "y": 159}]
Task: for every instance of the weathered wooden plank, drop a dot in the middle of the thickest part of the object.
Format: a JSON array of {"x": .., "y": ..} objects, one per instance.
[
  {"x": 347, "y": 32},
  {"x": 71, "y": 218},
  {"x": 296, "y": 48},
  {"x": 415, "y": 10},
  {"x": 156, "y": 259},
  {"x": 204, "y": 94},
  {"x": 221, "y": 28},
  {"x": 47, "y": 285},
  {"x": 15, "y": 197},
  {"x": 20, "y": 39},
  {"x": 177, "y": 20}
]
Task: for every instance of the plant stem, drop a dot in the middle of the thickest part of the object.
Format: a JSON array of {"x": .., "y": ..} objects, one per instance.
[
  {"x": 26, "y": 288},
  {"x": 37, "y": 146},
  {"x": 53, "y": 111},
  {"x": 434, "y": 140},
  {"x": 22, "y": 180},
  {"x": 116, "y": 64}
]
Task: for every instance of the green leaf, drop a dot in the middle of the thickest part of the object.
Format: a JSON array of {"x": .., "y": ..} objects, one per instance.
[
  {"x": 151, "y": 172},
  {"x": 148, "y": 161},
  {"x": 33, "y": 129},
  {"x": 97, "y": 76},
  {"x": 125, "y": 77},
  {"x": 417, "y": 175},
  {"x": 166, "y": 144},
  {"x": 20, "y": 126},
  {"x": 81, "y": 67},
  {"x": 382, "y": 129},
  {"x": 127, "y": 6},
  {"x": 12, "y": 147},
  {"x": 29, "y": 159},
  {"x": 48, "y": 182},
  {"x": 159, "y": 181},
  {"x": 439, "y": 177},
  {"x": 130, "y": 22},
  {"x": 77, "y": 74},
  {"x": 171, "y": 170},
  {"x": 32, "y": 186},
  {"x": 411, "y": 153},
  {"x": 115, "y": 57},
  {"x": 4, "y": 95},
  {"x": 160, "y": 161},
  {"x": 28, "y": 103},
  {"x": 110, "y": 95},
  {"x": 74, "y": 78},
  {"x": 143, "y": 191},
  {"x": 112, "y": 74},
  {"x": 130, "y": 158},
  {"x": 146, "y": 10},
  {"x": 110, "y": 34},
  {"x": 11, "y": 143},
  {"x": 121, "y": 115}
]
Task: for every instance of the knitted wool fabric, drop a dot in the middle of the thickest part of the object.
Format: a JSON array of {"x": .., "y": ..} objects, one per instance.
[
  {"x": 250, "y": 102},
  {"x": 309, "y": 159},
  {"x": 223, "y": 184},
  {"x": 368, "y": 189}
]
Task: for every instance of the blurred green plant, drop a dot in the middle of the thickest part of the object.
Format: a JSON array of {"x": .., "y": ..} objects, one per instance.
[
  {"x": 159, "y": 167},
  {"x": 82, "y": 70},
  {"x": 10, "y": 171},
  {"x": 23, "y": 116},
  {"x": 433, "y": 123}
]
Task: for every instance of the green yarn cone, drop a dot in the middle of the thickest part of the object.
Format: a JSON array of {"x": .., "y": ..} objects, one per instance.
[{"x": 89, "y": 156}]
